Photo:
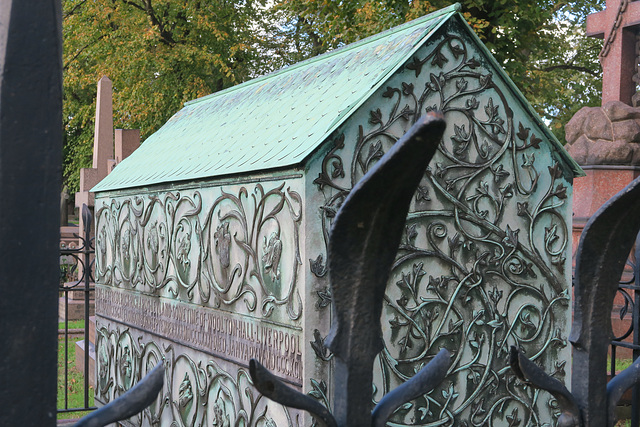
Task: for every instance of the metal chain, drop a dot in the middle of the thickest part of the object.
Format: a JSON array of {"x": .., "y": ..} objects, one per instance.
[
  {"x": 635, "y": 99},
  {"x": 614, "y": 30}
]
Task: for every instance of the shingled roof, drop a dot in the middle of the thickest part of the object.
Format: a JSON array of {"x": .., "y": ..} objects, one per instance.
[{"x": 274, "y": 121}]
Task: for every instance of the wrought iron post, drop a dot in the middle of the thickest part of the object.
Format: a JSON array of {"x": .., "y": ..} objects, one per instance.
[
  {"x": 82, "y": 255},
  {"x": 30, "y": 159},
  {"x": 365, "y": 235},
  {"x": 635, "y": 407},
  {"x": 604, "y": 246}
]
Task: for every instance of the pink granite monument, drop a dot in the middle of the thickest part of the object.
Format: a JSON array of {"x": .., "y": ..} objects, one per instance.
[{"x": 605, "y": 140}]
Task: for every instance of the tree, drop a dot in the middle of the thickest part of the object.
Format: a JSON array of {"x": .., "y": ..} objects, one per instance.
[
  {"x": 541, "y": 45},
  {"x": 161, "y": 53},
  {"x": 158, "y": 53}
]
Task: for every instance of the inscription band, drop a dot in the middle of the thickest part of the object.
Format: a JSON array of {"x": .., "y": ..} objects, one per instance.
[{"x": 215, "y": 332}]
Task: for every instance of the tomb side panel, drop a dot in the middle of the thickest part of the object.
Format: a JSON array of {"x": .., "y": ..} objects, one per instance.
[
  {"x": 228, "y": 246},
  {"x": 205, "y": 277},
  {"x": 200, "y": 388}
]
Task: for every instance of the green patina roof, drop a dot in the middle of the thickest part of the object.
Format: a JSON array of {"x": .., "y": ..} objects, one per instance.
[{"x": 274, "y": 121}]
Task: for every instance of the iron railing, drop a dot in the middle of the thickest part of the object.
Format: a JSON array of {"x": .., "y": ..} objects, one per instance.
[
  {"x": 629, "y": 315},
  {"x": 77, "y": 260}
]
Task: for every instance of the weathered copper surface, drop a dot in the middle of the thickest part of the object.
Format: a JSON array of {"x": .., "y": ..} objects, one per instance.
[
  {"x": 603, "y": 250},
  {"x": 365, "y": 236}
]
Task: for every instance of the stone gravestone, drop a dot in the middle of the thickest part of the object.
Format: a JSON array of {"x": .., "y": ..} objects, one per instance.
[
  {"x": 605, "y": 140},
  {"x": 212, "y": 237}
]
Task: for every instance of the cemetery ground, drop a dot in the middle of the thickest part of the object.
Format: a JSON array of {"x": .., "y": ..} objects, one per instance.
[{"x": 75, "y": 379}]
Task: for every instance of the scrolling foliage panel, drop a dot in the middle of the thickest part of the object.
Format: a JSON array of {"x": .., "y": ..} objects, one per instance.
[
  {"x": 236, "y": 248},
  {"x": 483, "y": 262},
  {"x": 197, "y": 391}
]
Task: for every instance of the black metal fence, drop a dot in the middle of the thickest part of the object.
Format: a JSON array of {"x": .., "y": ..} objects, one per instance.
[
  {"x": 626, "y": 342},
  {"x": 76, "y": 265}
]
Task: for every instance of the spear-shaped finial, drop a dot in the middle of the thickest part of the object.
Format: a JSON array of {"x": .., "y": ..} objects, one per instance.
[{"x": 364, "y": 240}]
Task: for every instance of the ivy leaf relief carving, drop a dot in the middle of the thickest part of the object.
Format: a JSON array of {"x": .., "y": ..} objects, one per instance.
[
  {"x": 317, "y": 266},
  {"x": 411, "y": 234},
  {"x": 486, "y": 80},
  {"x": 472, "y": 63},
  {"x": 321, "y": 351},
  {"x": 324, "y": 298},
  {"x": 422, "y": 193},
  {"x": 513, "y": 419},
  {"x": 388, "y": 93},
  {"x": 499, "y": 173},
  {"x": 561, "y": 192},
  {"x": 461, "y": 85},
  {"x": 375, "y": 117},
  {"x": 523, "y": 132},
  {"x": 535, "y": 142},
  {"x": 555, "y": 171},
  {"x": 439, "y": 59},
  {"x": 456, "y": 49},
  {"x": 522, "y": 209},
  {"x": 415, "y": 65},
  {"x": 512, "y": 237}
]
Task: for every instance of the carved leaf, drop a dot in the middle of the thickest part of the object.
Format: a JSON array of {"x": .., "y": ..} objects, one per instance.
[
  {"x": 472, "y": 63},
  {"x": 461, "y": 85},
  {"x": 456, "y": 49},
  {"x": 513, "y": 419},
  {"x": 375, "y": 117},
  {"x": 415, "y": 65},
  {"x": 325, "y": 298},
  {"x": 523, "y": 132},
  {"x": 512, "y": 237},
  {"x": 499, "y": 173},
  {"x": 555, "y": 171},
  {"x": 486, "y": 80},
  {"x": 388, "y": 93},
  {"x": 439, "y": 59},
  {"x": 535, "y": 142},
  {"x": 317, "y": 266},
  {"x": 472, "y": 103}
]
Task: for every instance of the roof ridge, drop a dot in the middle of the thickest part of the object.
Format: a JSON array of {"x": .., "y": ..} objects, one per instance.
[{"x": 456, "y": 7}]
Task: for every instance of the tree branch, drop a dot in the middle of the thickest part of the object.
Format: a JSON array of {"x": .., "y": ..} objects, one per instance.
[
  {"x": 66, "y": 65},
  {"x": 73, "y": 9},
  {"x": 571, "y": 67}
]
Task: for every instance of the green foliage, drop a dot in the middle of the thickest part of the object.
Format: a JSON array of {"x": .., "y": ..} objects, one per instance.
[
  {"x": 540, "y": 44},
  {"x": 161, "y": 53},
  {"x": 158, "y": 53}
]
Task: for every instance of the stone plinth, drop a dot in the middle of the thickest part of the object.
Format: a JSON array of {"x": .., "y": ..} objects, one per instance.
[
  {"x": 80, "y": 349},
  {"x": 593, "y": 190},
  {"x": 590, "y": 192},
  {"x": 74, "y": 308}
]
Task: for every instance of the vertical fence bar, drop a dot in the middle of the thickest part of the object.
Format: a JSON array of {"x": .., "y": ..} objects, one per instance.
[
  {"x": 635, "y": 404},
  {"x": 83, "y": 258},
  {"x": 30, "y": 159},
  {"x": 87, "y": 220}
]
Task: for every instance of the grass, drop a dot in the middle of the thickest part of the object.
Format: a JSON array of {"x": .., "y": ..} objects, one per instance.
[
  {"x": 621, "y": 364},
  {"x": 623, "y": 423},
  {"x": 73, "y": 324},
  {"x": 75, "y": 382}
]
